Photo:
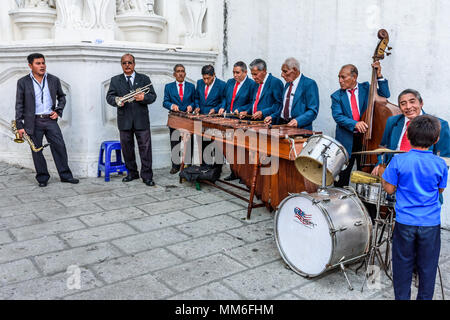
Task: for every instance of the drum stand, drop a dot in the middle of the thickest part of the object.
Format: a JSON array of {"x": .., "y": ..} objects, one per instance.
[
  {"x": 374, "y": 251},
  {"x": 323, "y": 191}
]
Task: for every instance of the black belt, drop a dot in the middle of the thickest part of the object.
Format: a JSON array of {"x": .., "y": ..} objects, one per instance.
[{"x": 43, "y": 116}]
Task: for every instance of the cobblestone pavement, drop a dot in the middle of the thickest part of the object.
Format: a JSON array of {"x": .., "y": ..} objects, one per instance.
[{"x": 171, "y": 241}]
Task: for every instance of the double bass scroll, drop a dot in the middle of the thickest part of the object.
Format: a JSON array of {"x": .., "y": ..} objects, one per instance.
[{"x": 379, "y": 109}]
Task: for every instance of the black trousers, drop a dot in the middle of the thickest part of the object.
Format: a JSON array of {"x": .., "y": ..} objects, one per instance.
[
  {"x": 175, "y": 139},
  {"x": 215, "y": 157},
  {"x": 144, "y": 141},
  {"x": 53, "y": 134},
  {"x": 344, "y": 176}
]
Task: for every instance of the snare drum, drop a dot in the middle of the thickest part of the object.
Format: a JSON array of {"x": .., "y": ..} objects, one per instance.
[
  {"x": 369, "y": 193},
  {"x": 316, "y": 232}
]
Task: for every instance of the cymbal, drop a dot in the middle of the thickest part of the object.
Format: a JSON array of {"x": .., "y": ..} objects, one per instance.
[{"x": 379, "y": 151}]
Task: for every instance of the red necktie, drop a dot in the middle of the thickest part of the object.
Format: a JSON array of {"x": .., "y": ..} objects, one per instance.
[
  {"x": 181, "y": 91},
  {"x": 355, "y": 110},
  {"x": 257, "y": 98},
  {"x": 405, "y": 145},
  {"x": 234, "y": 95},
  {"x": 286, "y": 104},
  {"x": 206, "y": 92}
]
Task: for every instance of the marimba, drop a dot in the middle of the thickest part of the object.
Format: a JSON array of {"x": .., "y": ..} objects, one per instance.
[{"x": 258, "y": 142}]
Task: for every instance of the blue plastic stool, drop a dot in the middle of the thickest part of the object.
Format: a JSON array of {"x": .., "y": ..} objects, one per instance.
[{"x": 107, "y": 166}]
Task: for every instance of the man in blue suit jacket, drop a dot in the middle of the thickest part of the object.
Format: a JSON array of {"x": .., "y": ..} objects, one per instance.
[
  {"x": 209, "y": 93},
  {"x": 238, "y": 90},
  {"x": 209, "y": 98},
  {"x": 238, "y": 97},
  {"x": 267, "y": 94},
  {"x": 348, "y": 105},
  {"x": 179, "y": 96},
  {"x": 300, "y": 98},
  {"x": 411, "y": 103}
]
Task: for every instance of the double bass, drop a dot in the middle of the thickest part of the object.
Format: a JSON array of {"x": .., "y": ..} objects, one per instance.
[{"x": 379, "y": 109}]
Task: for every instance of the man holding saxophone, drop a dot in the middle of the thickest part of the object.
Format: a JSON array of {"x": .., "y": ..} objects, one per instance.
[
  {"x": 126, "y": 94},
  {"x": 40, "y": 100}
]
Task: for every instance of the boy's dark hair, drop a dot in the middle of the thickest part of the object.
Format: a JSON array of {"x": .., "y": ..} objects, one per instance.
[
  {"x": 208, "y": 69},
  {"x": 33, "y": 56},
  {"x": 423, "y": 131}
]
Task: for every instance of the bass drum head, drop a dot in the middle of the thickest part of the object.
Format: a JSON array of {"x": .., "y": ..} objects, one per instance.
[{"x": 302, "y": 234}]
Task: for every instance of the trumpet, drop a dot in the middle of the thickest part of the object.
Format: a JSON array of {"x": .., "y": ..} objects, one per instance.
[
  {"x": 18, "y": 139},
  {"x": 131, "y": 96}
]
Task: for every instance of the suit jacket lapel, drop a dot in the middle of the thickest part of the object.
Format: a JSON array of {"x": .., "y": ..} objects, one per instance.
[
  {"x": 51, "y": 87},
  {"x": 397, "y": 130},
  {"x": 266, "y": 87},
  {"x": 362, "y": 99},
  {"x": 346, "y": 103},
  {"x": 29, "y": 83},
  {"x": 298, "y": 91}
]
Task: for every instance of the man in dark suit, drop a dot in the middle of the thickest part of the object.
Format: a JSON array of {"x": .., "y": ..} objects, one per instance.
[
  {"x": 348, "y": 104},
  {"x": 37, "y": 114},
  {"x": 133, "y": 119},
  {"x": 300, "y": 98},
  {"x": 394, "y": 136},
  {"x": 209, "y": 99},
  {"x": 179, "y": 96},
  {"x": 268, "y": 92}
]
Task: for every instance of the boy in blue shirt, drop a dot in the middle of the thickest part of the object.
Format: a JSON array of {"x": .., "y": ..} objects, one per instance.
[{"x": 417, "y": 177}]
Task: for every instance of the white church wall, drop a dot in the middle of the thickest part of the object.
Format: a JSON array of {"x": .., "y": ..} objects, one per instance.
[{"x": 324, "y": 35}]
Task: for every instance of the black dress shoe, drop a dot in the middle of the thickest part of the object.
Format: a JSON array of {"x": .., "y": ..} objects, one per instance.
[
  {"x": 72, "y": 180},
  {"x": 129, "y": 178},
  {"x": 230, "y": 177},
  {"x": 174, "y": 170},
  {"x": 42, "y": 184},
  {"x": 149, "y": 182}
]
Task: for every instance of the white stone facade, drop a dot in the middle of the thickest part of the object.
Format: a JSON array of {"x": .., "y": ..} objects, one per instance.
[{"x": 83, "y": 41}]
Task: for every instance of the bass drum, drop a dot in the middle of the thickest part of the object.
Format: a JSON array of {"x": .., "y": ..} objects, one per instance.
[{"x": 316, "y": 232}]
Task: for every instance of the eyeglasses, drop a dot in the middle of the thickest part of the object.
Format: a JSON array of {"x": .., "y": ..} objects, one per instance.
[{"x": 127, "y": 62}]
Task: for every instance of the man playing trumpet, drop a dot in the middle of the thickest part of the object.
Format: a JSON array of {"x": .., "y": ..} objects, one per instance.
[{"x": 133, "y": 118}]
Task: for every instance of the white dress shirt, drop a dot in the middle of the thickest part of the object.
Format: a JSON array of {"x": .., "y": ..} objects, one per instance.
[
  {"x": 42, "y": 95},
  {"x": 131, "y": 79},
  {"x": 210, "y": 87},
  {"x": 349, "y": 95}
]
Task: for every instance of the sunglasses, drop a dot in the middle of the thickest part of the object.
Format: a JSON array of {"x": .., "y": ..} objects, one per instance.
[{"x": 127, "y": 62}]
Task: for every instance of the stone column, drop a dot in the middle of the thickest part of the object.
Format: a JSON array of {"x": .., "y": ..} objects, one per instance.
[
  {"x": 34, "y": 18},
  {"x": 138, "y": 21}
]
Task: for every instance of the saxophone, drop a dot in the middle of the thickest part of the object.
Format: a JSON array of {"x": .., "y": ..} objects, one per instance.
[{"x": 26, "y": 137}]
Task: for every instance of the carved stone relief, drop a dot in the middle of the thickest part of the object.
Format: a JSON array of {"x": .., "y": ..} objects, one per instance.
[
  {"x": 35, "y": 3},
  {"x": 141, "y": 6},
  {"x": 196, "y": 13},
  {"x": 78, "y": 14}
]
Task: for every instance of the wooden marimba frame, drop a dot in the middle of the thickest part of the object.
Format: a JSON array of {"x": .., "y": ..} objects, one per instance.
[{"x": 271, "y": 188}]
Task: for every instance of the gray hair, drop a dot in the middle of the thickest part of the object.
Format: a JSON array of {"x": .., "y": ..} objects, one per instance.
[
  {"x": 412, "y": 91},
  {"x": 292, "y": 63},
  {"x": 259, "y": 64}
]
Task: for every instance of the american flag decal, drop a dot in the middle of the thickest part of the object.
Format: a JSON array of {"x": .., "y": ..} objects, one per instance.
[{"x": 304, "y": 218}]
